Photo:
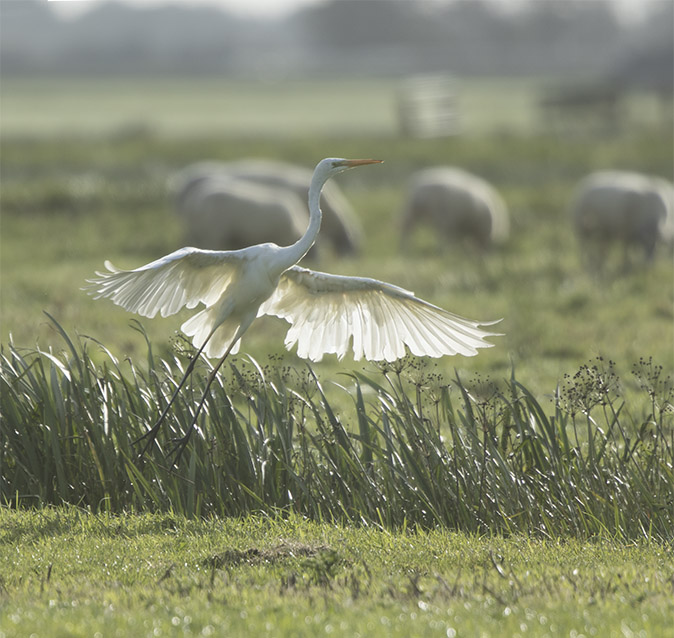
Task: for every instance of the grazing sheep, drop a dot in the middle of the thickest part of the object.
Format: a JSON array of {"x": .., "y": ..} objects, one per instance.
[
  {"x": 457, "y": 205},
  {"x": 227, "y": 214},
  {"x": 624, "y": 208},
  {"x": 666, "y": 228},
  {"x": 339, "y": 228}
]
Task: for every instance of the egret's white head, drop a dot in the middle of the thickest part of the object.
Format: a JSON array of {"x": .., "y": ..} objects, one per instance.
[{"x": 333, "y": 165}]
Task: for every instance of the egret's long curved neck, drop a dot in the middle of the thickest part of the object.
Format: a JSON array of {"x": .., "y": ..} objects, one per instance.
[
  {"x": 301, "y": 247},
  {"x": 324, "y": 169}
]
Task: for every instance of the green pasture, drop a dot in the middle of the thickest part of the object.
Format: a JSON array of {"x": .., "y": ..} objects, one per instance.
[
  {"x": 275, "y": 107},
  {"x": 271, "y": 108},
  {"x": 69, "y": 203},
  {"x": 82, "y": 575},
  {"x": 525, "y": 491}
]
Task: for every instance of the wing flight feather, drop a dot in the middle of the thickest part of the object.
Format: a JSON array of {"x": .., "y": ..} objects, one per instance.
[
  {"x": 184, "y": 278},
  {"x": 328, "y": 313}
]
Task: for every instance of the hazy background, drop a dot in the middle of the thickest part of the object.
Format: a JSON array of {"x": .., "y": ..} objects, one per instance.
[
  {"x": 547, "y": 46},
  {"x": 577, "y": 38}
]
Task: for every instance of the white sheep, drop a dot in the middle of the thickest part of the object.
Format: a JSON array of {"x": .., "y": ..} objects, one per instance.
[
  {"x": 340, "y": 227},
  {"x": 666, "y": 228},
  {"x": 227, "y": 214},
  {"x": 457, "y": 205},
  {"x": 622, "y": 208}
]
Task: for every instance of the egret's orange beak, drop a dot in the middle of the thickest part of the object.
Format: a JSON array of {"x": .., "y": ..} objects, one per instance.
[{"x": 361, "y": 162}]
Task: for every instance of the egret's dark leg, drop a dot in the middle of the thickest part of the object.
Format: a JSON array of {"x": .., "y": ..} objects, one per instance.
[
  {"x": 151, "y": 434},
  {"x": 181, "y": 443}
]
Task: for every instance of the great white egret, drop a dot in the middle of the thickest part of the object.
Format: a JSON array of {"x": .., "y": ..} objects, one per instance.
[{"x": 327, "y": 313}]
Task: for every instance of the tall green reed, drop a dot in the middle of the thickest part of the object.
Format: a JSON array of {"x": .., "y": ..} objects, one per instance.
[{"x": 409, "y": 449}]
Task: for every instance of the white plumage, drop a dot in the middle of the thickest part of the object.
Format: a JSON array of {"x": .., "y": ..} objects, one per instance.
[{"x": 328, "y": 313}]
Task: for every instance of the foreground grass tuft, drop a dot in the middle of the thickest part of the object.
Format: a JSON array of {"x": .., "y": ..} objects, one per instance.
[{"x": 410, "y": 450}]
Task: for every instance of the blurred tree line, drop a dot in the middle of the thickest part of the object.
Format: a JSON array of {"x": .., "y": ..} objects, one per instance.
[{"x": 563, "y": 38}]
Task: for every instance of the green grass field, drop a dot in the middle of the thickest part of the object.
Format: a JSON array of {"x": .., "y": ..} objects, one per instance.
[
  {"x": 84, "y": 575},
  {"x": 189, "y": 107},
  {"x": 574, "y": 538},
  {"x": 68, "y": 204}
]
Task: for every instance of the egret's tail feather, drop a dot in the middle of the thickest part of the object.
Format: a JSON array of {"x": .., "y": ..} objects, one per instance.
[{"x": 200, "y": 328}]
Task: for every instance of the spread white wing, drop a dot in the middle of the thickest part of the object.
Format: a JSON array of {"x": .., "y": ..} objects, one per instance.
[
  {"x": 328, "y": 312},
  {"x": 184, "y": 278}
]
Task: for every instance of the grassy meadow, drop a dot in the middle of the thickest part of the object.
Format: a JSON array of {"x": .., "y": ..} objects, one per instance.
[
  {"x": 71, "y": 202},
  {"x": 526, "y": 491},
  {"x": 162, "y": 575}
]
